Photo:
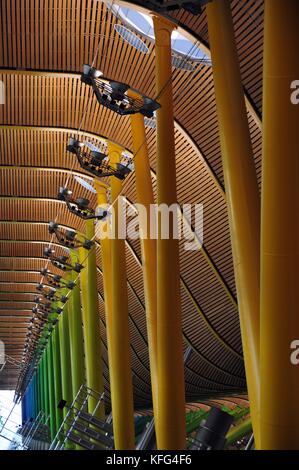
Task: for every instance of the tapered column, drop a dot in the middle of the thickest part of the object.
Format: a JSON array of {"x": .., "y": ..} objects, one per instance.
[
  {"x": 105, "y": 242},
  {"x": 46, "y": 385},
  {"x": 103, "y": 234},
  {"x": 280, "y": 228},
  {"x": 65, "y": 357},
  {"x": 41, "y": 381},
  {"x": 38, "y": 391},
  {"x": 171, "y": 425},
  {"x": 120, "y": 367},
  {"x": 57, "y": 375},
  {"x": 76, "y": 334},
  {"x": 91, "y": 322},
  {"x": 145, "y": 197},
  {"x": 51, "y": 389},
  {"x": 241, "y": 187}
]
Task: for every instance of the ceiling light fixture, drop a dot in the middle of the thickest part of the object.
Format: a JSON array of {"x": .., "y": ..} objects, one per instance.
[
  {"x": 113, "y": 95},
  {"x": 79, "y": 206},
  {"x": 69, "y": 238},
  {"x": 97, "y": 163},
  {"x": 62, "y": 262}
]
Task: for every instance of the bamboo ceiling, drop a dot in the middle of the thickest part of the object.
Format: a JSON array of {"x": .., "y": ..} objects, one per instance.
[{"x": 43, "y": 45}]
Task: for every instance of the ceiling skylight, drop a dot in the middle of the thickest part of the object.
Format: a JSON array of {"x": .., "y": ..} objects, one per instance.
[{"x": 142, "y": 23}]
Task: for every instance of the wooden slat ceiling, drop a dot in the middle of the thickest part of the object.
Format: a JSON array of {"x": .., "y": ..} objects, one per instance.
[{"x": 43, "y": 45}]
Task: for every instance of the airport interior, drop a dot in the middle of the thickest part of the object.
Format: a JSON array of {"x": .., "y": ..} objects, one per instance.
[{"x": 149, "y": 225}]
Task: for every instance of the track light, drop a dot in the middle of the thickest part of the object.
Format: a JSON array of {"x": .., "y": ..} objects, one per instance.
[
  {"x": 80, "y": 206},
  {"x": 57, "y": 281},
  {"x": 96, "y": 162},
  {"x": 113, "y": 95},
  {"x": 45, "y": 306},
  {"x": 49, "y": 291},
  {"x": 49, "y": 294},
  {"x": 62, "y": 262},
  {"x": 69, "y": 238}
]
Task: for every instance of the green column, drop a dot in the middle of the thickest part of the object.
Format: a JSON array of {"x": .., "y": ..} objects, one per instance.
[
  {"x": 238, "y": 432},
  {"x": 51, "y": 389},
  {"x": 57, "y": 375},
  {"x": 65, "y": 360},
  {"x": 46, "y": 386},
  {"x": 41, "y": 384},
  {"x": 76, "y": 335},
  {"x": 91, "y": 322}
]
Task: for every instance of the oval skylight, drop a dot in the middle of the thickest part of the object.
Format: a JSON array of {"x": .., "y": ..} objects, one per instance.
[
  {"x": 131, "y": 38},
  {"x": 85, "y": 184},
  {"x": 143, "y": 24}
]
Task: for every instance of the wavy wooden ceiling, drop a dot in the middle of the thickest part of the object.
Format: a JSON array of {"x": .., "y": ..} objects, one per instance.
[{"x": 43, "y": 45}]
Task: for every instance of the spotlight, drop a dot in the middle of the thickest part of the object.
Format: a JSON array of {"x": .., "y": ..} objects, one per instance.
[
  {"x": 48, "y": 252},
  {"x": 52, "y": 227},
  {"x": 90, "y": 73},
  {"x": 212, "y": 431}
]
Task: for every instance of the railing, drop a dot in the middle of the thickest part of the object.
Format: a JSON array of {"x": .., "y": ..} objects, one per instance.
[{"x": 82, "y": 428}]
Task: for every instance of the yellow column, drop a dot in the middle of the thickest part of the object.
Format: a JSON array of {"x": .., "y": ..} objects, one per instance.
[
  {"x": 280, "y": 229},
  {"x": 171, "y": 423},
  {"x": 91, "y": 322},
  {"x": 76, "y": 332},
  {"x": 145, "y": 196},
  {"x": 241, "y": 188},
  {"x": 120, "y": 366},
  {"x": 106, "y": 258}
]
